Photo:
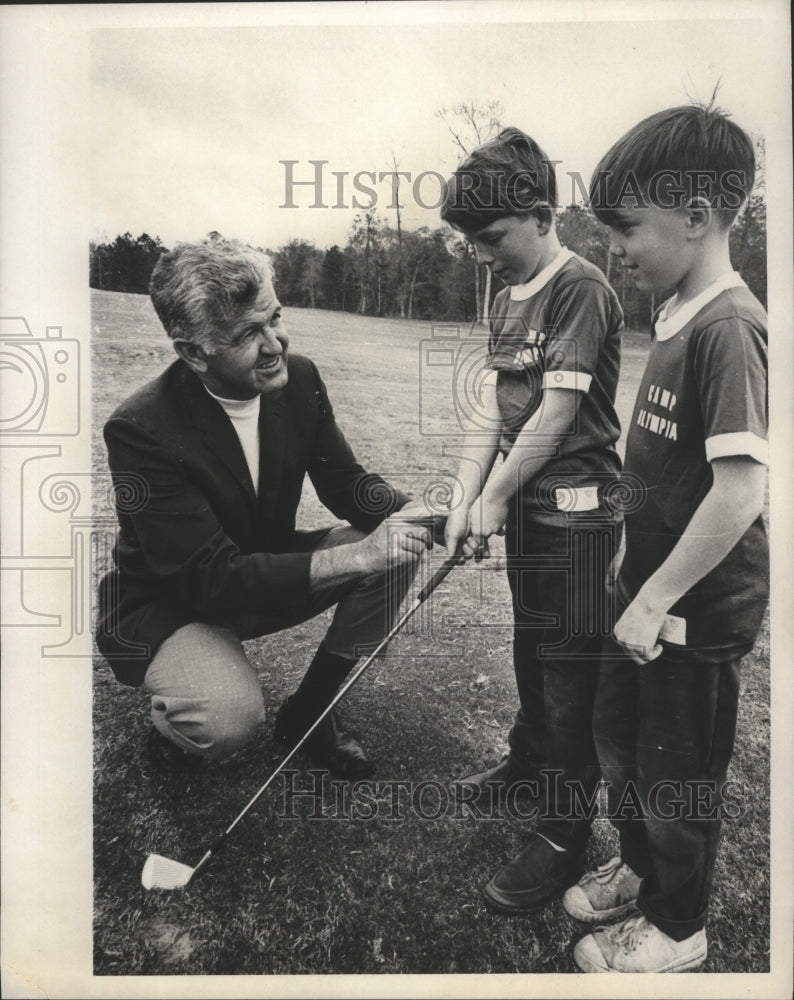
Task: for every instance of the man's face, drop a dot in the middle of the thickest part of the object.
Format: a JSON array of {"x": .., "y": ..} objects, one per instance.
[
  {"x": 250, "y": 355},
  {"x": 511, "y": 248},
  {"x": 652, "y": 246}
]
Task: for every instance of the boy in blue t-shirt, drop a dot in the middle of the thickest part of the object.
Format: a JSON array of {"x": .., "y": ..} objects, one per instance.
[
  {"x": 692, "y": 588},
  {"x": 547, "y": 407}
]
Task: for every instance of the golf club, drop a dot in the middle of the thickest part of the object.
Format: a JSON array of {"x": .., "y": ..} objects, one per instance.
[{"x": 163, "y": 873}]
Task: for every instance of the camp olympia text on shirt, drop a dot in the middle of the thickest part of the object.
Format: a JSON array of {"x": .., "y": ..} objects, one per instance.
[
  {"x": 655, "y": 422},
  {"x": 532, "y": 351}
]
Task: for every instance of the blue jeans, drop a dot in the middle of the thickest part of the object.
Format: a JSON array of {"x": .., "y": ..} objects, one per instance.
[
  {"x": 561, "y": 616},
  {"x": 664, "y": 733}
]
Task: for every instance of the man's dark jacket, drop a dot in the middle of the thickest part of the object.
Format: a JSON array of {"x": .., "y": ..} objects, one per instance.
[{"x": 195, "y": 543}]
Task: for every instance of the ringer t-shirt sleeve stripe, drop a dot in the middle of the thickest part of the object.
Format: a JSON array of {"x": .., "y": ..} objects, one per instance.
[
  {"x": 737, "y": 443},
  {"x": 557, "y": 379}
]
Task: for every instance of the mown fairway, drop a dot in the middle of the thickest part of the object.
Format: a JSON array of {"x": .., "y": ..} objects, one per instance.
[{"x": 373, "y": 881}]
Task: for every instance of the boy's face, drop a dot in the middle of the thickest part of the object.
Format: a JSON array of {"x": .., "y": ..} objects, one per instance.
[
  {"x": 651, "y": 244},
  {"x": 514, "y": 247}
]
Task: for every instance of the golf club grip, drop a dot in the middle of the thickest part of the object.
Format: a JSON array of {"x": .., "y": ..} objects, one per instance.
[
  {"x": 440, "y": 574},
  {"x": 435, "y": 524}
]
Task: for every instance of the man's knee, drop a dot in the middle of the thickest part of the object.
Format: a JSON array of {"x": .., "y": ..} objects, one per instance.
[
  {"x": 214, "y": 726},
  {"x": 206, "y": 697},
  {"x": 233, "y": 723}
]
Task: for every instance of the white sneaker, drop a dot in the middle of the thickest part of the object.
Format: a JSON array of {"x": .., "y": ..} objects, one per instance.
[
  {"x": 637, "y": 945},
  {"x": 605, "y": 894}
]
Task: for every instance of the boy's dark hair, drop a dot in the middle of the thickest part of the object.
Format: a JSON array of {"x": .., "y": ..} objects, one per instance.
[
  {"x": 672, "y": 157},
  {"x": 510, "y": 175}
]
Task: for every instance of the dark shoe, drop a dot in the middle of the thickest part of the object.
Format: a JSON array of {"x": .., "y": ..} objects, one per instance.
[
  {"x": 503, "y": 786},
  {"x": 167, "y": 757},
  {"x": 330, "y": 747},
  {"x": 533, "y": 879}
]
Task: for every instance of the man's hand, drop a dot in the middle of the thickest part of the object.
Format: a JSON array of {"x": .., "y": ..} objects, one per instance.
[
  {"x": 418, "y": 512},
  {"x": 395, "y": 542},
  {"x": 637, "y": 630}
]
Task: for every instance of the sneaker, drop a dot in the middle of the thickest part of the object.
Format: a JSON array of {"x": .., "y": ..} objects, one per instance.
[
  {"x": 167, "y": 757},
  {"x": 608, "y": 893},
  {"x": 637, "y": 945}
]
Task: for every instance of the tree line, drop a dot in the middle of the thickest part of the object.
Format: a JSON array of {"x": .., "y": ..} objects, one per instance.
[
  {"x": 422, "y": 274},
  {"x": 431, "y": 274}
]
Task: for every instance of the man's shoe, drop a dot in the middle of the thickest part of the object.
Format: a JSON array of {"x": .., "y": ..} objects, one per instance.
[
  {"x": 533, "y": 879},
  {"x": 637, "y": 945},
  {"x": 330, "y": 747},
  {"x": 608, "y": 893},
  {"x": 167, "y": 757},
  {"x": 499, "y": 787}
]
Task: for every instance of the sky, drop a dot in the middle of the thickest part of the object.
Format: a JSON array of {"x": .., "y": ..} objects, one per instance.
[{"x": 190, "y": 123}]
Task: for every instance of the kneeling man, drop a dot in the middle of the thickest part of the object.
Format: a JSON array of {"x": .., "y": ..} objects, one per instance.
[{"x": 214, "y": 453}]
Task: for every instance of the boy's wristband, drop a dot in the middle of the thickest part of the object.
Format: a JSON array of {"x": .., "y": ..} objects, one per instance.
[{"x": 571, "y": 499}]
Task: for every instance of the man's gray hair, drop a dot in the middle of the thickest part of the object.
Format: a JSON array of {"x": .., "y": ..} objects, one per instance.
[{"x": 198, "y": 287}]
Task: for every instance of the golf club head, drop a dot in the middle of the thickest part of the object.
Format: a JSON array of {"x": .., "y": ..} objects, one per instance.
[{"x": 162, "y": 873}]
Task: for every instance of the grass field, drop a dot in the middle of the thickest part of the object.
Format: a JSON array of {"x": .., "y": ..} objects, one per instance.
[{"x": 394, "y": 888}]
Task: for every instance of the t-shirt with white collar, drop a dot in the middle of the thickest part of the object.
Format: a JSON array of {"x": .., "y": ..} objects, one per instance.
[
  {"x": 560, "y": 330},
  {"x": 702, "y": 397}
]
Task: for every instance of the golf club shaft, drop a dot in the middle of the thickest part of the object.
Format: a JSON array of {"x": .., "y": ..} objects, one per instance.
[{"x": 441, "y": 573}]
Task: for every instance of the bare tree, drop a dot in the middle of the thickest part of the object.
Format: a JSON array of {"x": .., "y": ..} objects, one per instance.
[
  {"x": 364, "y": 241},
  {"x": 400, "y": 279},
  {"x": 470, "y": 125}
]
